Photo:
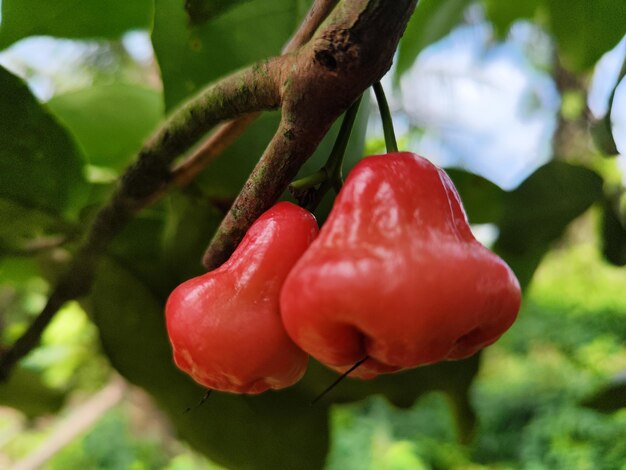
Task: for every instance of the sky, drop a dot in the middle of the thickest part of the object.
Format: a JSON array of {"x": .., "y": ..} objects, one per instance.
[
  {"x": 477, "y": 104},
  {"x": 491, "y": 108}
]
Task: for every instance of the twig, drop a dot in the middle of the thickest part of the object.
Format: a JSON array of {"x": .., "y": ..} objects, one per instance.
[
  {"x": 248, "y": 91},
  {"x": 228, "y": 132},
  {"x": 338, "y": 380},
  {"x": 217, "y": 142},
  {"x": 318, "y": 13},
  {"x": 334, "y": 68},
  {"x": 79, "y": 421},
  {"x": 251, "y": 89}
]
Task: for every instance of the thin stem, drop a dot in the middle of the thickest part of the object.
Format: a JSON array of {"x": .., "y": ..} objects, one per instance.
[
  {"x": 334, "y": 165},
  {"x": 309, "y": 181},
  {"x": 339, "y": 380},
  {"x": 318, "y": 13},
  {"x": 385, "y": 115},
  {"x": 331, "y": 174},
  {"x": 204, "y": 398}
]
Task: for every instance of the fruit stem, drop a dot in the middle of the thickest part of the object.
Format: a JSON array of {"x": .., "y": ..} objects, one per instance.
[
  {"x": 330, "y": 175},
  {"x": 204, "y": 398},
  {"x": 339, "y": 380},
  {"x": 309, "y": 181},
  {"x": 334, "y": 164},
  {"x": 385, "y": 116}
]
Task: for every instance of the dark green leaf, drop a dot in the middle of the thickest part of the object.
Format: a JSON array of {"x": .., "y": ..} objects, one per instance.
[
  {"x": 17, "y": 271},
  {"x": 272, "y": 430},
  {"x": 610, "y": 398},
  {"x": 481, "y": 198},
  {"x": 585, "y": 30},
  {"x": 503, "y": 14},
  {"x": 191, "y": 222},
  {"x": 109, "y": 122},
  {"x": 224, "y": 177},
  {"x": 24, "y": 229},
  {"x": 72, "y": 18},
  {"x": 537, "y": 212},
  {"x": 138, "y": 247},
  {"x": 26, "y": 392},
  {"x": 602, "y": 134},
  {"x": 613, "y": 231},
  {"x": 200, "y": 11},
  {"x": 404, "y": 388},
  {"x": 191, "y": 57},
  {"x": 431, "y": 21},
  {"x": 40, "y": 166}
]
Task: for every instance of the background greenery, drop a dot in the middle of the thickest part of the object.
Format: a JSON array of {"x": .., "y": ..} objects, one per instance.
[{"x": 549, "y": 395}]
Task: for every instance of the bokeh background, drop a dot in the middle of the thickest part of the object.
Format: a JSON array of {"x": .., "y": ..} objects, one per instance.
[{"x": 522, "y": 101}]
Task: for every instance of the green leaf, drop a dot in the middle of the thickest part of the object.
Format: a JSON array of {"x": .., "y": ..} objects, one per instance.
[
  {"x": 404, "y": 388},
  {"x": 613, "y": 231},
  {"x": 610, "y": 398},
  {"x": 538, "y": 211},
  {"x": 191, "y": 57},
  {"x": 482, "y": 199},
  {"x": 190, "y": 224},
  {"x": 602, "y": 135},
  {"x": 272, "y": 430},
  {"x": 224, "y": 177},
  {"x": 585, "y": 30},
  {"x": 25, "y": 391},
  {"x": 109, "y": 122},
  {"x": 503, "y": 14},
  {"x": 139, "y": 248},
  {"x": 72, "y": 18},
  {"x": 25, "y": 228},
  {"x": 200, "y": 11},
  {"x": 431, "y": 21},
  {"x": 40, "y": 166}
]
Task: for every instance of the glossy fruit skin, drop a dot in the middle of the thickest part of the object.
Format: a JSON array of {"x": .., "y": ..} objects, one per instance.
[
  {"x": 225, "y": 326},
  {"x": 396, "y": 275}
]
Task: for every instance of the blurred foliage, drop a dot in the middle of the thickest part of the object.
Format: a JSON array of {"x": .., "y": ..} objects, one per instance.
[
  {"x": 72, "y": 18},
  {"x": 25, "y": 391},
  {"x": 532, "y": 394},
  {"x": 432, "y": 20},
  {"x": 613, "y": 229},
  {"x": 107, "y": 137},
  {"x": 41, "y": 152},
  {"x": 191, "y": 57},
  {"x": 529, "y": 390},
  {"x": 110, "y": 446}
]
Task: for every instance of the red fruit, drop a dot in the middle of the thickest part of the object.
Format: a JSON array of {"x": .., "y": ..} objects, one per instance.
[
  {"x": 225, "y": 326},
  {"x": 396, "y": 275}
]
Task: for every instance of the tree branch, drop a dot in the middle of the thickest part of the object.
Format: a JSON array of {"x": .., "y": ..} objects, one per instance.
[
  {"x": 251, "y": 89},
  {"x": 228, "y": 132},
  {"x": 248, "y": 91},
  {"x": 340, "y": 62},
  {"x": 319, "y": 12}
]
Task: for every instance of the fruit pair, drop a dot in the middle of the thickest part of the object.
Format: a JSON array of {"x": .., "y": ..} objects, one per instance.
[{"x": 395, "y": 276}]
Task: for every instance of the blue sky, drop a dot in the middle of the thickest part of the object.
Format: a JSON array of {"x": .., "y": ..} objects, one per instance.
[{"x": 491, "y": 108}]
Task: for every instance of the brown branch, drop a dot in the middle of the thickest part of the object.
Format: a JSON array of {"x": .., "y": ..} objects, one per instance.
[
  {"x": 252, "y": 89},
  {"x": 217, "y": 142},
  {"x": 352, "y": 50},
  {"x": 248, "y": 91},
  {"x": 319, "y": 12},
  {"x": 228, "y": 132},
  {"x": 79, "y": 421}
]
